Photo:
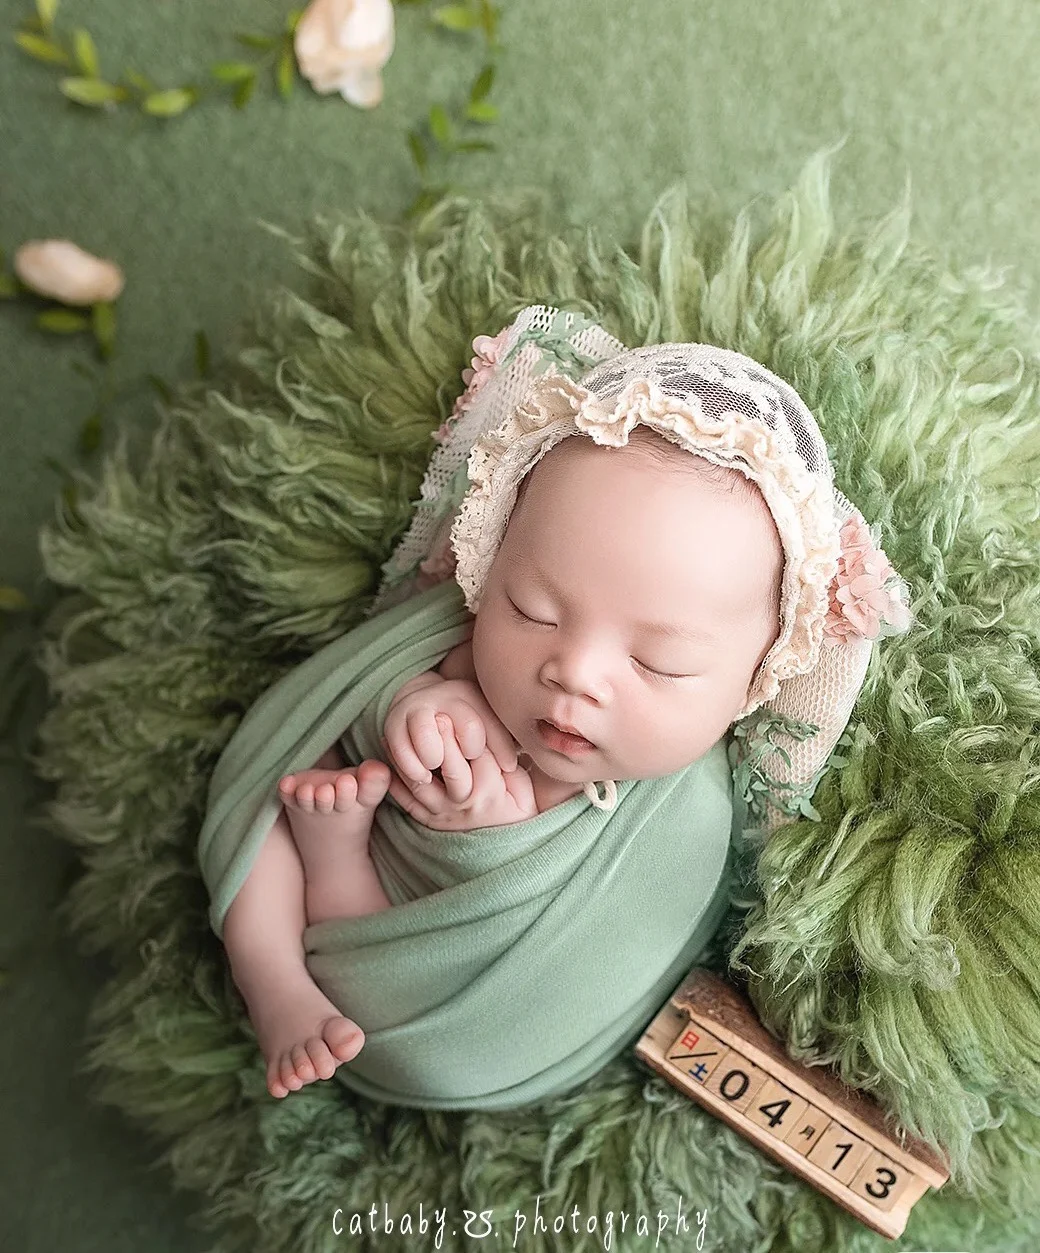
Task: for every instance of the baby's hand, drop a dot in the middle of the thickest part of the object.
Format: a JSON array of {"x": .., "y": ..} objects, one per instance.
[
  {"x": 416, "y": 747},
  {"x": 494, "y": 799}
]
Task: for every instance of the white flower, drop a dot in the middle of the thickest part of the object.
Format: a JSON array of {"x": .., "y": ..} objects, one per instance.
[
  {"x": 62, "y": 270},
  {"x": 341, "y": 45}
]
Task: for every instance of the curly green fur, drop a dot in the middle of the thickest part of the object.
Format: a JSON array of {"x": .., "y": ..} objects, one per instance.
[{"x": 897, "y": 938}]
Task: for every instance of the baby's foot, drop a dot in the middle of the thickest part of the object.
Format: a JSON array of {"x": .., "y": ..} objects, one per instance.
[
  {"x": 334, "y": 804},
  {"x": 303, "y": 1037},
  {"x": 330, "y": 813}
]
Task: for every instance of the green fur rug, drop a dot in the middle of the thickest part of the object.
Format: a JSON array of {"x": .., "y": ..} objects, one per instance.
[{"x": 898, "y": 938}]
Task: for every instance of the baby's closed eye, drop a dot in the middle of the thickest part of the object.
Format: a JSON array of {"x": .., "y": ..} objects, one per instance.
[{"x": 663, "y": 676}]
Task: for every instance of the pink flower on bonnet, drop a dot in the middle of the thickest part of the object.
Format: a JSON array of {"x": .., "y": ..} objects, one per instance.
[
  {"x": 488, "y": 348},
  {"x": 860, "y": 600}
]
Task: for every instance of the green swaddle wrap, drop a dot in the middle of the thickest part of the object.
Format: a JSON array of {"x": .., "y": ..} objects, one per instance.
[{"x": 516, "y": 960}]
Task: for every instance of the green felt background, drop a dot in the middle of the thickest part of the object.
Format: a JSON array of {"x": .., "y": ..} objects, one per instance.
[{"x": 605, "y": 103}]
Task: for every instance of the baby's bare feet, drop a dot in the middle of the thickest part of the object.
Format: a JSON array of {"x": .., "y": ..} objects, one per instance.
[
  {"x": 336, "y": 794},
  {"x": 303, "y": 1037},
  {"x": 330, "y": 813}
]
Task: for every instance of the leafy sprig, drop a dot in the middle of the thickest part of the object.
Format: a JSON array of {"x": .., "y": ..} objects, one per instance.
[
  {"x": 100, "y": 321},
  {"x": 447, "y": 129},
  {"x": 40, "y": 38}
]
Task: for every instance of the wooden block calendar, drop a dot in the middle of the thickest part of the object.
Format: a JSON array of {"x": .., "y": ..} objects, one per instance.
[{"x": 708, "y": 1042}]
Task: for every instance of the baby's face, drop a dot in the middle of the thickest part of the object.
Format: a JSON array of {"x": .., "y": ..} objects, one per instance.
[{"x": 604, "y": 545}]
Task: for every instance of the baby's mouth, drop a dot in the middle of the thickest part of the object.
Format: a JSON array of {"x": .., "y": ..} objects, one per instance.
[{"x": 562, "y": 741}]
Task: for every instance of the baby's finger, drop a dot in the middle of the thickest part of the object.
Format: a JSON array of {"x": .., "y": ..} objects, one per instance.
[
  {"x": 493, "y": 734},
  {"x": 519, "y": 786},
  {"x": 488, "y": 780},
  {"x": 405, "y": 798},
  {"x": 430, "y": 797},
  {"x": 455, "y": 770},
  {"x": 403, "y": 756},
  {"x": 469, "y": 728},
  {"x": 426, "y": 739},
  {"x": 502, "y": 745}
]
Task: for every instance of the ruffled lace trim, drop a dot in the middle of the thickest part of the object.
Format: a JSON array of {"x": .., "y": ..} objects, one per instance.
[{"x": 802, "y": 504}]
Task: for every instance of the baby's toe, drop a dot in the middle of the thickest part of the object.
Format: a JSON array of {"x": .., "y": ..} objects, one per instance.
[
  {"x": 274, "y": 1082},
  {"x": 287, "y": 1073},
  {"x": 301, "y": 1061},
  {"x": 373, "y": 783},
  {"x": 324, "y": 798},
  {"x": 323, "y": 1062},
  {"x": 346, "y": 791},
  {"x": 344, "y": 1038},
  {"x": 305, "y": 797}
]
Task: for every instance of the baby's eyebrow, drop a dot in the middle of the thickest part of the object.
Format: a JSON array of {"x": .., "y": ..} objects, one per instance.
[
  {"x": 667, "y": 629},
  {"x": 672, "y": 632}
]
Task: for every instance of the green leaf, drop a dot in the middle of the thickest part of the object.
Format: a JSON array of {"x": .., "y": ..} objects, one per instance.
[
  {"x": 86, "y": 53},
  {"x": 426, "y": 199},
  {"x": 264, "y": 43},
  {"x": 440, "y": 124},
  {"x": 47, "y": 10},
  {"x": 12, "y": 600},
  {"x": 474, "y": 145},
  {"x": 286, "y": 73},
  {"x": 103, "y": 318},
  {"x": 481, "y": 111},
  {"x": 489, "y": 20},
  {"x": 62, "y": 321},
  {"x": 171, "y": 102},
  {"x": 243, "y": 91},
  {"x": 806, "y": 807},
  {"x": 232, "y": 71},
  {"x": 90, "y": 434},
  {"x": 8, "y": 287},
  {"x": 92, "y": 91},
  {"x": 161, "y": 386},
  {"x": 202, "y": 357},
  {"x": 418, "y": 150},
  {"x": 455, "y": 17},
  {"x": 482, "y": 84},
  {"x": 41, "y": 49},
  {"x": 140, "y": 81}
]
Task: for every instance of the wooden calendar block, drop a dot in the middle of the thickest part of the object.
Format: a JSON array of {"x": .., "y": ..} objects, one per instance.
[
  {"x": 708, "y": 1042},
  {"x": 778, "y": 1109},
  {"x": 839, "y": 1151},
  {"x": 808, "y": 1129},
  {"x": 735, "y": 1080},
  {"x": 697, "y": 1052},
  {"x": 881, "y": 1180}
]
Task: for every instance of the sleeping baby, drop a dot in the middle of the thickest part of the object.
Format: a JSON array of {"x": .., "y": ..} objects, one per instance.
[
  {"x": 399, "y": 834},
  {"x": 633, "y": 586}
]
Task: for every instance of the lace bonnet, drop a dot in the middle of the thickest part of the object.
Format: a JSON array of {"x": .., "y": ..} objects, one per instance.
[{"x": 551, "y": 375}]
